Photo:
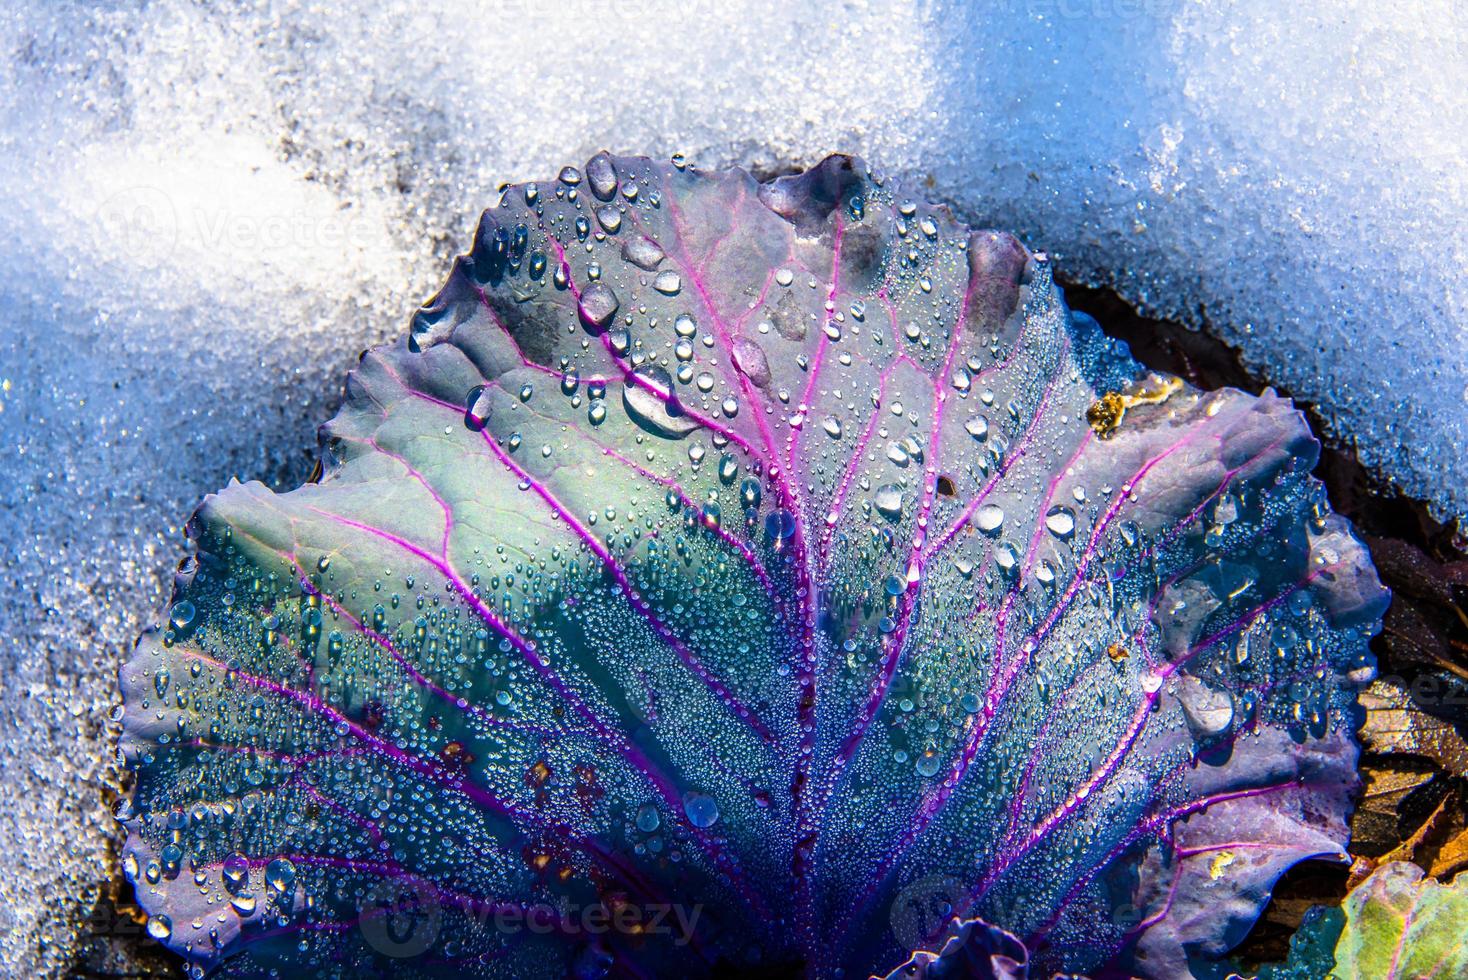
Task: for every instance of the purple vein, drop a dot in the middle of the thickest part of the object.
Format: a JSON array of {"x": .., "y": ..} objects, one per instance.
[
  {"x": 1136, "y": 639},
  {"x": 1013, "y": 455},
  {"x": 313, "y": 705},
  {"x": 756, "y": 566},
  {"x": 387, "y": 646},
  {"x": 614, "y": 568},
  {"x": 896, "y": 641},
  {"x": 619, "y": 743},
  {"x": 848, "y": 473},
  {"x": 1047, "y": 825},
  {"x": 1005, "y": 675},
  {"x": 808, "y": 666},
  {"x": 634, "y": 598},
  {"x": 1149, "y": 826},
  {"x": 830, "y": 310}
]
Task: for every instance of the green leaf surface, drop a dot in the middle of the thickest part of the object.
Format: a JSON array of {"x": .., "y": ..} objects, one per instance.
[{"x": 1402, "y": 927}]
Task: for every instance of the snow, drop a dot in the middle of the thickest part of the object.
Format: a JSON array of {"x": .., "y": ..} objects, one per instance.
[{"x": 210, "y": 212}]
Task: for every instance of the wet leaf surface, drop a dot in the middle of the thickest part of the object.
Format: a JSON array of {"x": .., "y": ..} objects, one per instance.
[{"x": 752, "y": 551}]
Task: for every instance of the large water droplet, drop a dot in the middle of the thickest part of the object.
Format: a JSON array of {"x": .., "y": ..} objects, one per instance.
[
  {"x": 236, "y": 870},
  {"x": 601, "y": 176},
  {"x": 888, "y": 501},
  {"x": 598, "y": 305},
  {"x": 648, "y": 818},
  {"x": 701, "y": 809},
  {"x": 989, "y": 518},
  {"x": 642, "y": 253},
  {"x": 750, "y": 359},
  {"x": 477, "y": 408},
  {"x": 160, "y": 927},
  {"x": 656, "y": 411},
  {"x": 1061, "y": 521},
  {"x": 609, "y": 218},
  {"x": 1210, "y": 712},
  {"x": 280, "y": 875},
  {"x": 182, "y": 616},
  {"x": 1006, "y": 556},
  {"x": 750, "y": 493},
  {"x": 779, "y": 525}
]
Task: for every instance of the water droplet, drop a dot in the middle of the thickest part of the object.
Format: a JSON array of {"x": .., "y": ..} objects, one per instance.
[
  {"x": 280, "y": 875},
  {"x": 888, "y": 501},
  {"x": 701, "y": 809},
  {"x": 668, "y": 283},
  {"x": 236, "y": 871},
  {"x": 989, "y": 518},
  {"x": 609, "y": 218},
  {"x": 832, "y": 425},
  {"x": 160, "y": 927},
  {"x": 598, "y": 305},
  {"x": 750, "y": 359},
  {"x": 750, "y": 493},
  {"x": 779, "y": 525},
  {"x": 477, "y": 408},
  {"x": 1006, "y": 556},
  {"x": 1209, "y": 712},
  {"x": 570, "y": 176},
  {"x": 656, "y": 411},
  {"x": 1060, "y": 521},
  {"x": 642, "y": 252},
  {"x": 978, "y": 427},
  {"x": 182, "y": 616},
  {"x": 601, "y": 176},
  {"x": 648, "y": 818}
]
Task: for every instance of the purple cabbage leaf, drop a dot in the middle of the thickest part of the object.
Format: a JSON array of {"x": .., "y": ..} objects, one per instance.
[{"x": 727, "y": 576}]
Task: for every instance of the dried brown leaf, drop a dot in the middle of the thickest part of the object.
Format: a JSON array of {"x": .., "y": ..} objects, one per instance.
[
  {"x": 1402, "y": 720},
  {"x": 1451, "y": 858}
]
